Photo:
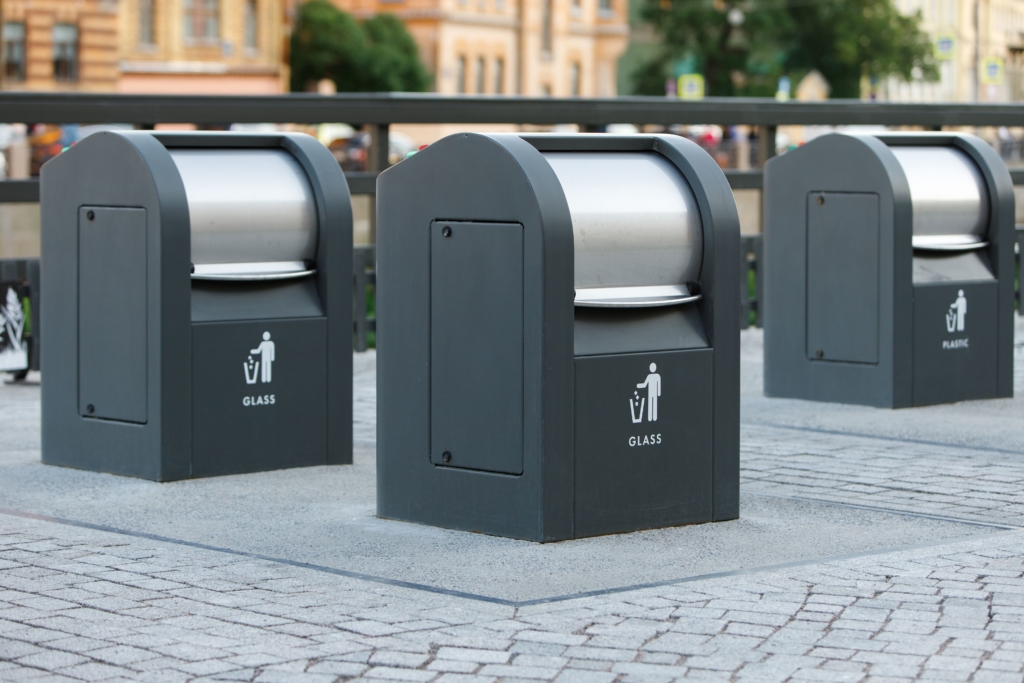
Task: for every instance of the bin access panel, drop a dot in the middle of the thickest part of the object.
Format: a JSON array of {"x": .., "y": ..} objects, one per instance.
[
  {"x": 476, "y": 346},
  {"x": 112, "y": 313},
  {"x": 842, "y": 277}
]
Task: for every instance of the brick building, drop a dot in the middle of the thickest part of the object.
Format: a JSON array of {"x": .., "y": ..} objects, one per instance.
[
  {"x": 144, "y": 46},
  {"x": 562, "y": 48},
  {"x": 60, "y": 45}
]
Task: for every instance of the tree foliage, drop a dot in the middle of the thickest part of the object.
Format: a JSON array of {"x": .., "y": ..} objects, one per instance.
[
  {"x": 850, "y": 39},
  {"x": 742, "y": 47},
  {"x": 377, "y": 55}
]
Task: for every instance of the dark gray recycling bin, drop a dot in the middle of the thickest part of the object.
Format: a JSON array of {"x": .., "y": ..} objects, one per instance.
[
  {"x": 558, "y": 342},
  {"x": 198, "y": 305},
  {"x": 889, "y": 268}
]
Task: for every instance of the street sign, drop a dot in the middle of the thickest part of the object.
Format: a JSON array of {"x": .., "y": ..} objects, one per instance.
[
  {"x": 992, "y": 71},
  {"x": 691, "y": 87},
  {"x": 945, "y": 46}
]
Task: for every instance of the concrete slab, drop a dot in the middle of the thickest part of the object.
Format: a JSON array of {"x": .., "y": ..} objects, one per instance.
[
  {"x": 324, "y": 516},
  {"x": 976, "y": 425}
]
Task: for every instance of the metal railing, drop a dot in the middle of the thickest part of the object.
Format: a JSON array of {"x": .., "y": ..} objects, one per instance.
[
  {"x": 379, "y": 111},
  {"x": 364, "y": 299},
  {"x": 751, "y": 280}
]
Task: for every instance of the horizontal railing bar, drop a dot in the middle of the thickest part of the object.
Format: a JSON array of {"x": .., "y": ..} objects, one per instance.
[
  {"x": 392, "y": 108},
  {"x": 14, "y": 191},
  {"x": 362, "y": 182},
  {"x": 745, "y": 180}
]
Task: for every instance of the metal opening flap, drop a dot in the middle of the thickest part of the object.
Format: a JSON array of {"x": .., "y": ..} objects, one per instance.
[
  {"x": 635, "y": 297},
  {"x": 267, "y": 270}
]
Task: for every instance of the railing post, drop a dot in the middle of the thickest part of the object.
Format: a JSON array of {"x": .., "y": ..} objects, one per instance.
[
  {"x": 1018, "y": 257},
  {"x": 376, "y": 161},
  {"x": 758, "y": 266},
  {"x": 744, "y": 283},
  {"x": 32, "y": 275},
  {"x": 765, "y": 144},
  {"x": 364, "y": 274}
]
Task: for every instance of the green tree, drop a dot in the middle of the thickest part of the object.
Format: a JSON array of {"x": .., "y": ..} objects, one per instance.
[
  {"x": 394, "y": 59},
  {"x": 375, "y": 56},
  {"x": 851, "y": 39},
  {"x": 742, "y": 47},
  {"x": 739, "y": 48}
]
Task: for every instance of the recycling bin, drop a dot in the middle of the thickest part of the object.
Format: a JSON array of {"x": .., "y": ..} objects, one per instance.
[
  {"x": 558, "y": 336},
  {"x": 198, "y": 305},
  {"x": 889, "y": 269}
]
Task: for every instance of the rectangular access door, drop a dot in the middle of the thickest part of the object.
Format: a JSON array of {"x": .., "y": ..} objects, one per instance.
[
  {"x": 112, "y": 274},
  {"x": 476, "y": 346},
  {"x": 842, "y": 277}
]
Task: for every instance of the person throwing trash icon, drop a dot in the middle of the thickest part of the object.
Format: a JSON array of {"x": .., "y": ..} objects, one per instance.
[
  {"x": 266, "y": 354},
  {"x": 653, "y": 384},
  {"x": 960, "y": 306}
]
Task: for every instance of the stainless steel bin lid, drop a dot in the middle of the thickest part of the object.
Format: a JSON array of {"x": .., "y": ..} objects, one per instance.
[
  {"x": 637, "y": 229},
  {"x": 252, "y": 213},
  {"x": 949, "y": 197}
]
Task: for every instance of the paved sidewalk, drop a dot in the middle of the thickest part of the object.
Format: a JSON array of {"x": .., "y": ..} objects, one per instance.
[{"x": 893, "y": 549}]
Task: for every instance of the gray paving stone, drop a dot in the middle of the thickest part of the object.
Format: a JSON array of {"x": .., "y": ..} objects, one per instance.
[
  {"x": 530, "y": 672},
  {"x": 453, "y": 666},
  {"x": 474, "y": 655},
  {"x": 581, "y": 676},
  {"x": 464, "y": 678},
  {"x": 138, "y": 609},
  {"x": 395, "y": 674}
]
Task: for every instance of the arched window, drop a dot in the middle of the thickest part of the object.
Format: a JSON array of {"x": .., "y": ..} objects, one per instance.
[
  {"x": 460, "y": 75},
  {"x": 499, "y": 75},
  {"x": 65, "y": 52},
  {"x": 202, "y": 20},
  {"x": 252, "y": 37},
  {"x": 146, "y": 22},
  {"x": 14, "y": 51},
  {"x": 546, "y": 19}
]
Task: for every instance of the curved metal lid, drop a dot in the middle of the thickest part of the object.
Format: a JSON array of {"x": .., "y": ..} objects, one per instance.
[
  {"x": 636, "y": 227},
  {"x": 949, "y": 197}
]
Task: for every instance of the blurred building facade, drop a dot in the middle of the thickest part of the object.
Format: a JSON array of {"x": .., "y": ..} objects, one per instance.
[
  {"x": 145, "y": 46},
  {"x": 980, "y": 49},
  {"x": 60, "y": 44},
  {"x": 559, "y": 48}
]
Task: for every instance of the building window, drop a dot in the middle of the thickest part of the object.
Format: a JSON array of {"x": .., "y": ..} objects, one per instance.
[
  {"x": 14, "y": 51},
  {"x": 460, "y": 75},
  {"x": 604, "y": 8},
  {"x": 499, "y": 75},
  {"x": 65, "y": 52},
  {"x": 574, "y": 79},
  {"x": 251, "y": 25},
  {"x": 202, "y": 19},
  {"x": 480, "y": 75},
  {"x": 146, "y": 22},
  {"x": 545, "y": 37}
]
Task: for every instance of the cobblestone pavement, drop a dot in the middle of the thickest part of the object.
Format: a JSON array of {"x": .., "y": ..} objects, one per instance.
[
  {"x": 84, "y": 603},
  {"x": 953, "y": 482},
  {"x": 81, "y": 604}
]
